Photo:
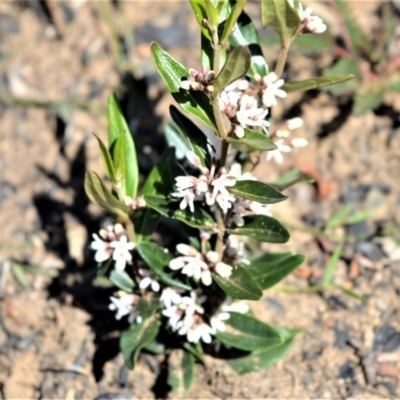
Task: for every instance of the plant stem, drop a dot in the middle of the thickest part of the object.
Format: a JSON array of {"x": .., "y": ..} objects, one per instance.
[
  {"x": 282, "y": 58},
  {"x": 131, "y": 230},
  {"x": 218, "y": 118}
]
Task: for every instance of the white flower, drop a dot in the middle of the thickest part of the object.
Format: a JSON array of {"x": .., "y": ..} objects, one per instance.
[
  {"x": 201, "y": 331},
  {"x": 312, "y": 23},
  {"x": 169, "y": 297},
  {"x": 103, "y": 250},
  {"x": 123, "y": 304},
  {"x": 174, "y": 315},
  {"x": 299, "y": 142},
  {"x": 259, "y": 209},
  {"x": 121, "y": 254},
  {"x": 187, "y": 199},
  {"x": 223, "y": 269},
  {"x": 236, "y": 172},
  {"x": 236, "y": 306},
  {"x": 276, "y": 154},
  {"x": 294, "y": 123},
  {"x": 220, "y": 184},
  {"x": 249, "y": 114},
  {"x": 192, "y": 303},
  {"x": 271, "y": 91},
  {"x": 217, "y": 321},
  {"x": 148, "y": 281}
]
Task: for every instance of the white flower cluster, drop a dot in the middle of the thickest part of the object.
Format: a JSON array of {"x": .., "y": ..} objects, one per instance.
[
  {"x": 186, "y": 315},
  {"x": 284, "y": 145},
  {"x": 209, "y": 186},
  {"x": 113, "y": 242},
  {"x": 124, "y": 304},
  {"x": 310, "y": 23},
  {"x": 199, "y": 266}
]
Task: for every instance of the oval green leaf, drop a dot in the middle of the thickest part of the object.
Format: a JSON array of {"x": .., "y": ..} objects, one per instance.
[
  {"x": 236, "y": 66},
  {"x": 172, "y": 72},
  {"x": 261, "y": 359},
  {"x": 181, "y": 371},
  {"x": 257, "y": 191},
  {"x": 135, "y": 338},
  {"x": 240, "y": 285},
  {"x": 170, "y": 208},
  {"x": 263, "y": 229},
  {"x": 244, "y": 332},
  {"x": 254, "y": 140},
  {"x": 271, "y": 268}
]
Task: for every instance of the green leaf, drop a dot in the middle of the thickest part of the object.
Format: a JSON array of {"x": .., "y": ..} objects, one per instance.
[
  {"x": 315, "y": 83},
  {"x": 231, "y": 21},
  {"x": 330, "y": 268},
  {"x": 158, "y": 260},
  {"x": 99, "y": 194},
  {"x": 159, "y": 182},
  {"x": 107, "y": 160},
  {"x": 244, "y": 332},
  {"x": 271, "y": 268},
  {"x": 254, "y": 140},
  {"x": 117, "y": 126},
  {"x": 197, "y": 139},
  {"x": 245, "y": 34},
  {"x": 170, "y": 208},
  {"x": 240, "y": 285},
  {"x": 118, "y": 155},
  {"x": 261, "y": 359},
  {"x": 175, "y": 138},
  {"x": 18, "y": 271},
  {"x": 257, "y": 191},
  {"x": 349, "y": 292},
  {"x": 195, "y": 103},
  {"x": 343, "y": 66},
  {"x": 200, "y": 12},
  {"x": 339, "y": 217},
  {"x": 196, "y": 350},
  {"x": 263, "y": 229},
  {"x": 367, "y": 101},
  {"x": 236, "y": 66},
  {"x": 136, "y": 338},
  {"x": 181, "y": 372},
  {"x": 291, "y": 178},
  {"x": 310, "y": 44},
  {"x": 281, "y": 16},
  {"x": 122, "y": 280}
]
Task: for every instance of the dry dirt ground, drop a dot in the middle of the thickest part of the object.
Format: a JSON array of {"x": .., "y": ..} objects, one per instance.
[{"x": 58, "y": 63}]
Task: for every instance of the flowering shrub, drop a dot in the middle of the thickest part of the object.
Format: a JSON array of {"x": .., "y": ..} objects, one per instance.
[{"x": 183, "y": 290}]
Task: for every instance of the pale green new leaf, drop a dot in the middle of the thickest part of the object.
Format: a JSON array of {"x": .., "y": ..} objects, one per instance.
[
  {"x": 231, "y": 21},
  {"x": 118, "y": 126},
  {"x": 331, "y": 267},
  {"x": 236, "y": 66},
  {"x": 107, "y": 159},
  {"x": 281, "y": 16},
  {"x": 315, "y": 83},
  {"x": 99, "y": 194}
]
